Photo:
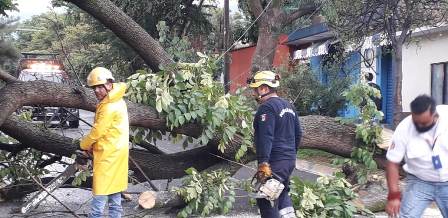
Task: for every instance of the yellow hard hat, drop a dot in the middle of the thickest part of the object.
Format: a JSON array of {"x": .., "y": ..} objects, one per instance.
[
  {"x": 99, "y": 76},
  {"x": 268, "y": 78}
]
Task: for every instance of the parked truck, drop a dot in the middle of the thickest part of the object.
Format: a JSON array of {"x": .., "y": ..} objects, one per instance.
[{"x": 46, "y": 66}]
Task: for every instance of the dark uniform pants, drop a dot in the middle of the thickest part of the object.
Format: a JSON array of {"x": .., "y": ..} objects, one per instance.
[{"x": 283, "y": 205}]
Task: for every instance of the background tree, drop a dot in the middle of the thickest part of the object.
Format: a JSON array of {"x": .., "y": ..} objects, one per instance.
[
  {"x": 7, "y": 5},
  {"x": 394, "y": 20},
  {"x": 84, "y": 43},
  {"x": 8, "y": 53},
  {"x": 275, "y": 15}
]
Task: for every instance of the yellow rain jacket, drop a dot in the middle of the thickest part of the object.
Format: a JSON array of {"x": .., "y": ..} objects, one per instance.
[{"x": 109, "y": 141}]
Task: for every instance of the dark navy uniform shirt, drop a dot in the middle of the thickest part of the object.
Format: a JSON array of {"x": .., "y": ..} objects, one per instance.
[{"x": 277, "y": 131}]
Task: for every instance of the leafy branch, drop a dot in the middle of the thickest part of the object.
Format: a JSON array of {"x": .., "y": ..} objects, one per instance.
[{"x": 186, "y": 93}]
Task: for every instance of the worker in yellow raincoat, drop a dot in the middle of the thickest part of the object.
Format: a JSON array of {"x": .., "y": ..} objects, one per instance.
[{"x": 108, "y": 141}]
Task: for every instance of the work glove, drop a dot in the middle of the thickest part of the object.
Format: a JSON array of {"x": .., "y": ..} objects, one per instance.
[
  {"x": 82, "y": 159},
  {"x": 264, "y": 172}
]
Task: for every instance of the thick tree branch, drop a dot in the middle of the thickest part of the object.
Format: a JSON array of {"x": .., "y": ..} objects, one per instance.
[
  {"x": 127, "y": 30},
  {"x": 148, "y": 147},
  {"x": 13, "y": 148},
  {"x": 302, "y": 11},
  {"x": 255, "y": 7},
  {"x": 8, "y": 78},
  {"x": 17, "y": 94},
  {"x": 174, "y": 165}
]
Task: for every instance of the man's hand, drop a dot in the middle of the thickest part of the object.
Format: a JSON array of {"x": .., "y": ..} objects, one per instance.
[
  {"x": 82, "y": 159},
  {"x": 264, "y": 172},
  {"x": 393, "y": 208},
  {"x": 394, "y": 195}
]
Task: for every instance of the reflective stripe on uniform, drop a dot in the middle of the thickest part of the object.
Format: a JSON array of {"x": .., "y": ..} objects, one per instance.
[{"x": 287, "y": 212}]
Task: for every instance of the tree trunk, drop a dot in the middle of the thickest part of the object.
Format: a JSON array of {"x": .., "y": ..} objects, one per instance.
[
  {"x": 270, "y": 22},
  {"x": 327, "y": 134},
  {"x": 127, "y": 30},
  {"x": 398, "y": 69},
  {"x": 266, "y": 44},
  {"x": 267, "y": 40},
  {"x": 150, "y": 199}
]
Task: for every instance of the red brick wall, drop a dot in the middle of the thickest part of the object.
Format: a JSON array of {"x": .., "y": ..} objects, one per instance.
[{"x": 241, "y": 60}]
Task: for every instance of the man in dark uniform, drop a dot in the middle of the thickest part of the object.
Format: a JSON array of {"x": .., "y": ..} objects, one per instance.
[
  {"x": 378, "y": 101},
  {"x": 277, "y": 137}
]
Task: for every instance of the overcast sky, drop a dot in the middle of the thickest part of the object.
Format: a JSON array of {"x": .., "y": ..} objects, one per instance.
[{"x": 28, "y": 8}]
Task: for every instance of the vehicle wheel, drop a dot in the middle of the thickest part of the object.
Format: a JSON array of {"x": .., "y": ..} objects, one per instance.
[{"x": 73, "y": 124}]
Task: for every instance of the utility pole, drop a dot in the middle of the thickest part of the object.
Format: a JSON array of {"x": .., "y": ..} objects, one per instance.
[{"x": 226, "y": 46}]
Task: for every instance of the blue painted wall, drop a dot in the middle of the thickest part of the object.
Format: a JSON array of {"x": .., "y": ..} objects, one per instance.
[
  {"x": 351, "y": 66},
  {"x": 386, "y": 80}
]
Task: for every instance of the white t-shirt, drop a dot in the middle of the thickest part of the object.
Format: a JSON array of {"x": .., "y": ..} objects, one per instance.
[{"x": 416, "y": 149}]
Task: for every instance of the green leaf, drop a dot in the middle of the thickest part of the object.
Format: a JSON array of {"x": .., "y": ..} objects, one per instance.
[
  {"x": 193, "y": 114},
  {"x": 181, "y": 120},
  {"x": 187, "y": 116},
  {"x": 159, "y": 106}
]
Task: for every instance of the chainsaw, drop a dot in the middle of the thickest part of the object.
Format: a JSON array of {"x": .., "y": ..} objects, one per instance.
[
  {"x": 53, "y": 185},
  {"x": 269, "y": 189}
]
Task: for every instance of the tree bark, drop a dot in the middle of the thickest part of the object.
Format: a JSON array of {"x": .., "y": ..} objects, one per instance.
[
  {"x": 174, "y": 165},
  {"x": 267, "y": 40},
  {"x": 270, "y": 24},
  {"x": 398, "y": 69},
  {"x": 327, "y": 134},
  {"x": 127, "y": 30},
  {"x": 168, "y": 199}
]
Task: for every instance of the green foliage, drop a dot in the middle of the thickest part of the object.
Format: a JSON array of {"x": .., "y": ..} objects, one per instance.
[
  {"x": 81, "y": 176},
  {"x": 7, "y": 5},
  {"x": 186, "y": 93},
  {"x": 179, "y": 48},
  {"x": 8, "y": 53},
  {"x": 313, "y": 97},
  {"x": 79, "y": 37},
  {"x": 176, "y": 14},
  {"x": 328, "y": 197},
  {"x": 368, "y": 130},
  {"x": 12, "y": 169},
  {"x": 305, "y": 153},
  {"x": 206, "y": 193}
]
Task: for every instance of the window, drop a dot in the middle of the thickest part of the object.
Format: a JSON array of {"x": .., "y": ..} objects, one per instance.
[{"x": 439, "y": 82}]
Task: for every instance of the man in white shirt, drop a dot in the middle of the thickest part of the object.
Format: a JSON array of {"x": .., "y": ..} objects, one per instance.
[{"x": 421, "y": 140}]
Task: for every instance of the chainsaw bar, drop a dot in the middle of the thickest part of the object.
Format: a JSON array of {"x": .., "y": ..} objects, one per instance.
[{"x": 51, "y": 186}]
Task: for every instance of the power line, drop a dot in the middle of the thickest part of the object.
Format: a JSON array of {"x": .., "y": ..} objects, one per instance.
[
  {"x": 247, "y": 29},
  {"x": 283, "y": 41}
]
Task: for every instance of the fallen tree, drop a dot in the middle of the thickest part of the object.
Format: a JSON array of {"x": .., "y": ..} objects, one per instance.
[
  {"x": 322, "y": 133},
  {"x": 319, "y": 132}
]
